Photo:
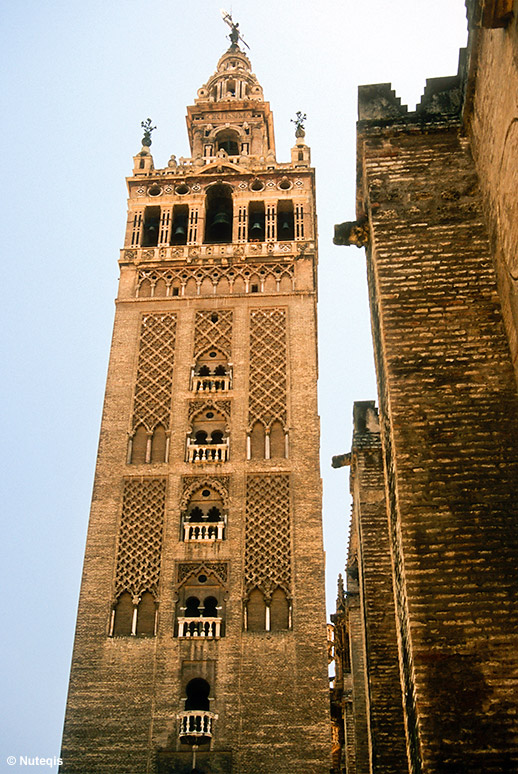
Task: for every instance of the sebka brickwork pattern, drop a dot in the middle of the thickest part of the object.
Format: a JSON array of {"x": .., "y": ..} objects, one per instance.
[
  {"x": 268, "y": 382},
  {"x": 213, "y": 330},
  {"x": 267, "y": 537},
  {"x": 152, "y": 404},
  {"x": 140, "y": 536}
]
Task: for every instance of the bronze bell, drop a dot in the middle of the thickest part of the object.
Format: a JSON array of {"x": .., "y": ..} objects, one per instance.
[
  {"x": 179, "y": 230},
  {"x": 220, "y": 219}
]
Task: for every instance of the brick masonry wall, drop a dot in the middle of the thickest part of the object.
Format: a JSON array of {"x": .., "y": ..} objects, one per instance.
[
  {"x": 270, "y": 690},
  {"x": 385, "y": 705},
  {"x": 491, "y": 118},
  {"x": 450, "y": 440}
]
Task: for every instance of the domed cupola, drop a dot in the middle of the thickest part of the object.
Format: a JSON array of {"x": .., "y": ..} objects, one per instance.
[{"x": 233, "y": 80}]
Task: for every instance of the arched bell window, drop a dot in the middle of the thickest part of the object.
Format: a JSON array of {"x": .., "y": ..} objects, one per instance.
[
  {"x": 180, "y": 226},
  {"x": 285, "y": 221},
  {"x": 151, "y": 227},
  {"x": 228, "y": 140},
  {"x": 256, "y": 222},
  {"x": 218, "y": 214}
]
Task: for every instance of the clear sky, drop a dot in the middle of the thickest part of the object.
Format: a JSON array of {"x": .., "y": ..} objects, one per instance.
[{"x": 77, "y": 80}]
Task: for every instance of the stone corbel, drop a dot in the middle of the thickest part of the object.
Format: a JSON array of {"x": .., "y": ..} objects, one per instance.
[{"x": 352, "y": 233}]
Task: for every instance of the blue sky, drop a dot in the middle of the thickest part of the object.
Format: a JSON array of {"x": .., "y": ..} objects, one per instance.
[{"x": 78, "y": 78}]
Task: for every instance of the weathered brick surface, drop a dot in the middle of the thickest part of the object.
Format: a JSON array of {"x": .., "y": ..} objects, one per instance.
[
  {"x": 450, "y": 440},
  {"x": 385, "y": 707},
  {"x": 491, "y": 118}
]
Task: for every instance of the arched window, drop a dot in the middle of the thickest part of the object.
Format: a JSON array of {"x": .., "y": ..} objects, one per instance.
[
  {"x": 179, "y": 226},
  {"x": 210, "y": 607},
  {"x": 123, "y": 620},
  {"x": 197, "y": 692},
  {"x": 200, "y": 607},
  {"x": 204, "y": 517},
  {"x": 256, "y": 612},
  {"x": 228, "y": 140},
  {"x": 211, "y": 372},
  {"x": 151, "y": 227},
  {"x": 285, "y": 221},
  {"x": 200, "y": 437},
  {"x": 218, "y": 214},
  {"x": 277, "y": 443},
  {"x": 192, "y": 607},
  {"x": 208, "y": 441},
  {"x": 256, "y": 220},
  {"x": 139, "y": 446},
  {"x": 158, "y": 444},
  {"x": 279, "y": 611},
  {"x": 257, "y": 439},
  {"x": 146, "y": 613}
]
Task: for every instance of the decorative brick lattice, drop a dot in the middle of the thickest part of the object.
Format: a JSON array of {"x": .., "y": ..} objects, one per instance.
[
  {"x": 213, "y": 330},
  {"x": 191, "y": 484},
  {"x": 267, "y": 397},
  {"x": 223, "y": 406},
  {"x": 186, "y": 569},
  {"x": 140, "y": 536},
  {"x": 267, "y": 534},
  {"x": 181, "y": 276},
  {"x": 152, "y": 405}
]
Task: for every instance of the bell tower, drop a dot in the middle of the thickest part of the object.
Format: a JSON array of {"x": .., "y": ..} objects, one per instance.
[{"x": 201, "y": 638}]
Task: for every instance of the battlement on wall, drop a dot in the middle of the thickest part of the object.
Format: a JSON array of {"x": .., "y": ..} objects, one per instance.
[{"x": 442, "y": 99}]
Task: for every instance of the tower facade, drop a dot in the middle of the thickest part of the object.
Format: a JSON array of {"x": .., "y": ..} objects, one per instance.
[{"x": 200, "y": 640}]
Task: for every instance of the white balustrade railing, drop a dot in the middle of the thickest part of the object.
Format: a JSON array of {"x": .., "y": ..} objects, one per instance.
[
  {"x": 201, "y": 628},
  {"x": 211, "y": 383},
  {"x": 196, "y": 530},
  {"x": 196, "y": 723},
  {"x": 211, "y": 452}
]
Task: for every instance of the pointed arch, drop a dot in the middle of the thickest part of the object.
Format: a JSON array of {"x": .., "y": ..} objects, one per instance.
[
  {"x": 256, "y": 611},
  {"x": 146, "y": 615},
  {"x": 257, "y": 439},
  {"x": 159, "y": 444},
  {"x": 139, "y": 446},
  {"x": 123, "y": 619},
  {"x": 277, "y": 442},
  {"x": 279, "y": 610}
]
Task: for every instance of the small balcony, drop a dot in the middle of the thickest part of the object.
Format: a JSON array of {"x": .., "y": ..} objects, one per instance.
[
  {"x": 196, "y": 724},
  {"x": 195, "y": 531},
  {"x": 210, "y": 452},
  {"x": 199, "y": 628},
  {"x": 211, "y": 383}
]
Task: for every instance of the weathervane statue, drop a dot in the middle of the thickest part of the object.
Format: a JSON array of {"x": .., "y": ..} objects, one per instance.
[{"x": 235, "y": 35}]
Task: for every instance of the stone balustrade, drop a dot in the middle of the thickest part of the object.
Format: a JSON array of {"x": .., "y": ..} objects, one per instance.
[
  {"x": 201, "y": 627},
  {"x": 200, "y": 531},
  {"x": 211, "y": 383},
  {"x": 196, "y": 723},
  {"x": 211, "y": 452}
]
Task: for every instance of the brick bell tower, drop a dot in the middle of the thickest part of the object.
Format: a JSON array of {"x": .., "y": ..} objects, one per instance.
[{"x": 200, "y": 642}]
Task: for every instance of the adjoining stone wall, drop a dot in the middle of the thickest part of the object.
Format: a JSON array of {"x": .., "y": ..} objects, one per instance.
[
  {"x": 385, "y": 704},
  {"x": 450, "y": 438},
  {"x": 491, "y": 119}
]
